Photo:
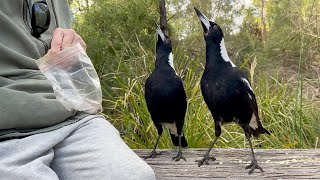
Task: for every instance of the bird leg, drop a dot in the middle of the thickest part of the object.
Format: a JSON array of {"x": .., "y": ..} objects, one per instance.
[
  {"x": 206, "y": 157},
  {"x": 179, "y": 156},
  {"x": 254, "y": 164},
  {"x": 154, "y": 152}
]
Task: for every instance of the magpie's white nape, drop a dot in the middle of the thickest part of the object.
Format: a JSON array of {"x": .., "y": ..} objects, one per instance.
[
  {"x": 224, "y": 53},
  {"x": 171, "y": 61},
  {"x": 227, "y": 91},
  {"x": 164, "y": 46},
  {"x": 165, "y": 96}
]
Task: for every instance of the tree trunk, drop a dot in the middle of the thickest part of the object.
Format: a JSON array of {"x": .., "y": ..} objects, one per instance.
[
  {"x": 163, "y": 17},
  {"x": 263, "y": 21}
]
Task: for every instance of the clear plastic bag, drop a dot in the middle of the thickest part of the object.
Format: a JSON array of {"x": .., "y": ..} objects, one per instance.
[{"x": 74, "y": 80}]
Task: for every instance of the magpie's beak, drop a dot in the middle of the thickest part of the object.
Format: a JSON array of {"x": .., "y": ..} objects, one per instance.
[
  {"x": 160, "y": 33},
  {"x": 204, "y": 20}
]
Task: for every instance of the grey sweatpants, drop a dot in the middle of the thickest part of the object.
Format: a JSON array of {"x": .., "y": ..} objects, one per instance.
[{"x": 88, "y": 149}]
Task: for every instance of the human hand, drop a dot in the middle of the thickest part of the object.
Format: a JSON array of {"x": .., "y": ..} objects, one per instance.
[{"x": 63, "y": 38}]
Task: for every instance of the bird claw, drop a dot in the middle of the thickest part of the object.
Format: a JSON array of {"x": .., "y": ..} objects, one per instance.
[
  {"x": 254, "y": 165},
  {"x": 178, "y": 157},
  {"x": 205, "y": 159},
  {"x": 153, "y": 154}
]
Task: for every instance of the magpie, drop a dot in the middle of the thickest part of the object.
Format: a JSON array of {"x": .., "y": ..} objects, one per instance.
[
  {"x": 227, "y": 91},
  {"x": 165, "y": 96}
]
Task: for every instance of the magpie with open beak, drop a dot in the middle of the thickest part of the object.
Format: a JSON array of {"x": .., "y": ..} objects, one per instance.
[
  {"x": 227, "y": 91},
  {"x": 165, "y": 96}
]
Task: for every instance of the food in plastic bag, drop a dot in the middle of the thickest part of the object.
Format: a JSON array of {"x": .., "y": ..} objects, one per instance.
[{"x": 74, "y": 80}]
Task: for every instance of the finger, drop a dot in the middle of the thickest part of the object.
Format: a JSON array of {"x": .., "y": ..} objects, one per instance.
[
  {"x": 69, "y": 35},
  {"x": 56, "y": 43},
  {"x": 78, "y": 39}
]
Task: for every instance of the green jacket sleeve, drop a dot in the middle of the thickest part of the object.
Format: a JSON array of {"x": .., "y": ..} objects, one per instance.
[
  {"x": 27, "y": 100},
  {"x": 25, "y": 107}
]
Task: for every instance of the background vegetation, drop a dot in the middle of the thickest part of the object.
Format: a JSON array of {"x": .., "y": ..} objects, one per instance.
[{"x": 276, "y": 42}]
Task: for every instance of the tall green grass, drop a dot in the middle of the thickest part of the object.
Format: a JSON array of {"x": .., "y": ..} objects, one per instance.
[{"x": 277, "y": 98}]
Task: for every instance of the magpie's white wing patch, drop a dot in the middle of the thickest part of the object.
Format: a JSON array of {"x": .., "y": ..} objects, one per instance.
[{"x": 247, "y": 83}]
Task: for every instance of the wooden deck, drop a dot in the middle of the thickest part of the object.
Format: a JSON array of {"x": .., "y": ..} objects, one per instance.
[{"x": 230, "y": 164}]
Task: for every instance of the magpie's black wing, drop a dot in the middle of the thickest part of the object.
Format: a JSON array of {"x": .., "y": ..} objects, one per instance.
[
  {"x": 249, "y": 114},
  {"x": 165, "y": 97},
  {"x": 229, "y": 95}
]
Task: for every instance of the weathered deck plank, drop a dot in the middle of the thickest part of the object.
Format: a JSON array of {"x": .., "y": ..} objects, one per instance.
[{"x": 230, "y": 164}]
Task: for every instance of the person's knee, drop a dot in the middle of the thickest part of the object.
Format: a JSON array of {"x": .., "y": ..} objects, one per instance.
[
  {"x": 98, "y": 124},
  {"x": 142, "y": 171},
  {"x": 147, "y": 173}
]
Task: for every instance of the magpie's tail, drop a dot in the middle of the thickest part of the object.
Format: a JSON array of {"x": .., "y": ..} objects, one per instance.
[
  {"x": 265, "y": 131},
  {"x": 255, "y": 125},
  {"x": 175, "y": 140},
  {"x": 260, "y": 130}
]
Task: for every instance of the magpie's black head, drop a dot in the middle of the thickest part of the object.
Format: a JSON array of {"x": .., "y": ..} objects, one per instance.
[
  {"x": 163, "y": 43},
  {"x": 212, "y": 31}
]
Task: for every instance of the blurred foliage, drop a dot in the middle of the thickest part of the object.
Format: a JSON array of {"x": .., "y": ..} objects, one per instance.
[{"x": 106, "y": 26}]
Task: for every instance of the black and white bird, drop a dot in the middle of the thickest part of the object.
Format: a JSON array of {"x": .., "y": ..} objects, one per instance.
[
  {"x": 165, "y": 96},
  {"x": 227, "y": 91}
]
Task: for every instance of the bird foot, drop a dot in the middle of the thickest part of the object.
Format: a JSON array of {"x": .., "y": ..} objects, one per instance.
[
  {"x": 153, "y": 154},
  {"x": 178, "y": 157},
  {"x": 254, "y": 165},
  {"x": 205, "y": 159}
]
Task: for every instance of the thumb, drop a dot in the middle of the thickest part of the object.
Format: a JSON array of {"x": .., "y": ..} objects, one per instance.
[{"x": 56, "y": 43}]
